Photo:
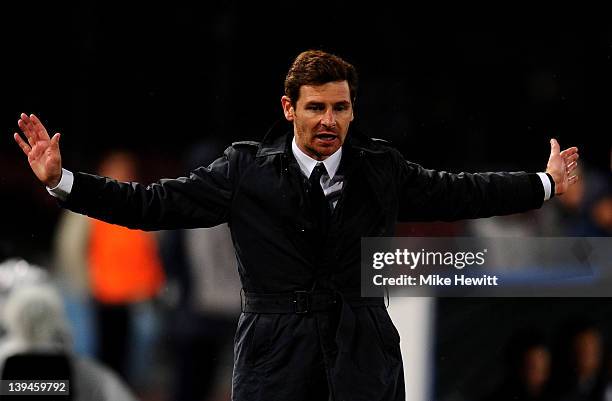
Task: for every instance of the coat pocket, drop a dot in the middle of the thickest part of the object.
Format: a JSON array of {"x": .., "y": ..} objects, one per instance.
[{"x": 253, "y": 339}]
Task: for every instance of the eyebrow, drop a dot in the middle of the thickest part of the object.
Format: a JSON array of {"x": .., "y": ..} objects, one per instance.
[{"x": 314, "y": 102}]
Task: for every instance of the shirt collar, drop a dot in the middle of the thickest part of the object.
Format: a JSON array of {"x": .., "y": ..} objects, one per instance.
[{"x": 307, "y": 163}]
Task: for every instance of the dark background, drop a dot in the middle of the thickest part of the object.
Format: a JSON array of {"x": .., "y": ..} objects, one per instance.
[
  {"x": 158, "y": 79},
  {"x": 473, "y": 337}
]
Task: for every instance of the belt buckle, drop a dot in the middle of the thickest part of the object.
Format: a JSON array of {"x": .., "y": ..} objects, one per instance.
[{"x": 302, "y": 302}]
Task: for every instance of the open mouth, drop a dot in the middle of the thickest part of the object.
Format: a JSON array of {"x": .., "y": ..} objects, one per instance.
[{"x": 326, "y": 137}]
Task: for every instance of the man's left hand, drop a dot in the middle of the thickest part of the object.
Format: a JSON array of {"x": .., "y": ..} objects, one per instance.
[{"x": 561, "y": 166}]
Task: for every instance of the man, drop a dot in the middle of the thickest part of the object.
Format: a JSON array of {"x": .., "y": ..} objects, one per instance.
[{"x": 298, "y": 204}]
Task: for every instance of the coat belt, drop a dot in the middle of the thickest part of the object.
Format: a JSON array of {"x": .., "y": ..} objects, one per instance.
[{"x": 302, "y": 302}]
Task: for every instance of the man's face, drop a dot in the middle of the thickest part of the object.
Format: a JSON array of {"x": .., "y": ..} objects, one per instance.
[{"x": 321, "y": 117}]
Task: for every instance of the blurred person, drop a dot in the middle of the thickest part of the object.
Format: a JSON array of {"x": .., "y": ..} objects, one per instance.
[
  {"x": 34, "y": 318},
  {"x": 580, "y": 369},
  {"x": 202, "y": 322},
  {"x": 527, "y": 370},
  {"x": 71, "y": 268},
  {"x": 16, "y": 271},
  {"x": 298, "y": 204},
  {"x": 201, "y": 267},
  {"x": 585, "y": 210},
  {"x": 120, "y": 271},
  {"x": 602, "y": 214},
  {"x": 502, "y": 253}
]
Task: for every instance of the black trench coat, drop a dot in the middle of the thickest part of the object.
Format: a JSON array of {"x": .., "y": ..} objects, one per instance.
[{"x": 259, "y": 190}]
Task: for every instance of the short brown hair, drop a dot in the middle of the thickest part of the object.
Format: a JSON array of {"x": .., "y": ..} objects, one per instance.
[{"x": 316, "y": 67}]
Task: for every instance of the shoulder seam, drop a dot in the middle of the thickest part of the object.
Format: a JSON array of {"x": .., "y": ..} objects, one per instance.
[
  {"x": 245, "y": 143},
  {"x": 381, "y": 140}
]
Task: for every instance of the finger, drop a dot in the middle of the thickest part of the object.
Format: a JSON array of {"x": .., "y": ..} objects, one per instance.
[
  {"x": 30, "y": 126},
  {"x": 24, "y": 146},
  {"x": 569, "y": 151},
  {"x": 570, "y": 159},
  {"x": 26, "y": 131},
  {"x": 26, "y": 121},
  {"x": 572, "y": 179},
  {"x": 39, "y": 129},
  {"x": 571, "y": 167},
  {"x": 554, "y": 147}
]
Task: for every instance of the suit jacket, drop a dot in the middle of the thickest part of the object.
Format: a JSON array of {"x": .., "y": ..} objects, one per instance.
[{"x": 259, "y": 190}]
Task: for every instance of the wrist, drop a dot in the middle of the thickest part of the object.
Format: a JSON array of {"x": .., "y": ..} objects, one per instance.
[
  {"x": 54, "y": 182},
  {"x": 553, "y": 190}
]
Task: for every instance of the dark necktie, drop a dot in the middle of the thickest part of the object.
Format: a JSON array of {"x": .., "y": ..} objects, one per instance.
[{"x": 320, "y": 206}]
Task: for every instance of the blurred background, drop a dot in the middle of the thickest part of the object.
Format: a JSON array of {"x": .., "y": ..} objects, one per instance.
[{"x": 148, "y": 91}]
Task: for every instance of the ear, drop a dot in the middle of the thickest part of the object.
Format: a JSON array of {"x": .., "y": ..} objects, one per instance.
[{"x": 288, "y": 108}]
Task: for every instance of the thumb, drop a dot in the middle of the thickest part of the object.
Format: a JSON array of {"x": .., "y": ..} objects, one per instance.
[
  {"x": 554, "y": 147},
  {"x": 55, "y": 139}
]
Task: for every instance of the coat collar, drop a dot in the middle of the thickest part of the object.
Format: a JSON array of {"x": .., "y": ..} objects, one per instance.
[{"x": 278, "y": 140}]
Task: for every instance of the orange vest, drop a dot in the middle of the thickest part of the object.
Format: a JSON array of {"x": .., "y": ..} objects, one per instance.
[{"x": 124, "y": 264}]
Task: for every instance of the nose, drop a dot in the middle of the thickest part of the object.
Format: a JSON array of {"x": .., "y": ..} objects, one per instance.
[{"x": 329, "y": 119}]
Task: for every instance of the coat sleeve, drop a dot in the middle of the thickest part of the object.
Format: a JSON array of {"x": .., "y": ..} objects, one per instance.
[
  {"x": 429, "y": 195},
  {"x": 200, "y": 200}
]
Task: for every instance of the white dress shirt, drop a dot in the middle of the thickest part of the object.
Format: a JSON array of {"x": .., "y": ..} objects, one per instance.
[{"x": 331, "y": 182}]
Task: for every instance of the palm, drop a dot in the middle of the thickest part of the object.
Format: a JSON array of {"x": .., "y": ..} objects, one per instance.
[
  {"x": 42, "y": 159},
  {"x": 561, "y": 165},
  {"x": 42, "y": 152}
]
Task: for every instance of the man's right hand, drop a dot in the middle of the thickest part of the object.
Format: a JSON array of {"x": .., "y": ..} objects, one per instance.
[{"x": 43, "y": 152}]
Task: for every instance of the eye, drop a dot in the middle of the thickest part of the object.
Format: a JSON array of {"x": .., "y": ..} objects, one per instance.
[{"x": 314, "y": 107}]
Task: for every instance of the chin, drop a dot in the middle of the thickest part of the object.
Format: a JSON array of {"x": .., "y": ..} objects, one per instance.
[{"x": 326, "y": 151}]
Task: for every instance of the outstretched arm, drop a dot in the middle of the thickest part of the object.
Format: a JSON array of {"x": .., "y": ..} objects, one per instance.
[
  {"x": 42, "y": 151},
  {"x": 200, "y": 200},
  {"x": 561, "y": 166},
  {"x": 427, "y": 195}
]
